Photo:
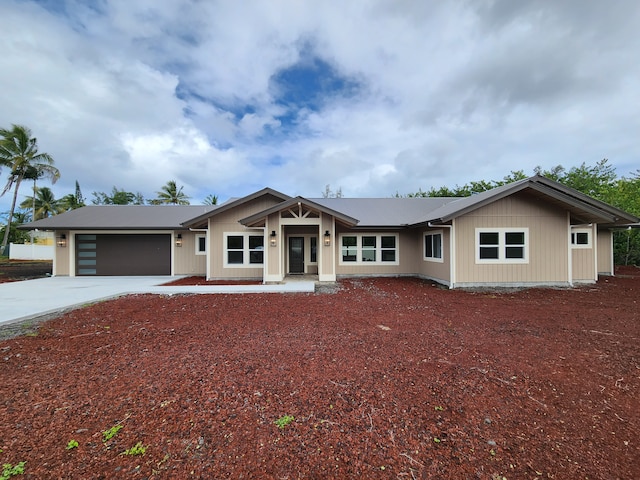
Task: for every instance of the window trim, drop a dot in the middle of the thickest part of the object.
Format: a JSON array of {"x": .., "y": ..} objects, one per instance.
[
  {"x": 198, "y": 236},
  {"x": 502, "y": 245},
  {"x": 378, "y": 249},
  {"x": 433, "y": 233},
  {"x": 574, "y": 235},
  {"x": 246, "y": 251}
]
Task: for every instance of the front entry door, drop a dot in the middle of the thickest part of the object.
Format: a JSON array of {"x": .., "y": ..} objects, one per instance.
[{"x": 296, "y": 254}]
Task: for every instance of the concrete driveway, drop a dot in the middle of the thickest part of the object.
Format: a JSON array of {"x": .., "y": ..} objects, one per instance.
[{"x": 44, "y": 296}]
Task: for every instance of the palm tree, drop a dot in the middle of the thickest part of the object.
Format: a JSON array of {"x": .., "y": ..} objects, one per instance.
[
  {"x": 211, "y": 199},
  {"x": 72, "y": 201},
  {"x": 171, "y": 194},
  {"x": 44, "y": 204},
  {"x": 19, "y": 152}
]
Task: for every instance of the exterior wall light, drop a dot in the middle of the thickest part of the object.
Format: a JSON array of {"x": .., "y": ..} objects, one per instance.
[
  {"x": 179, "y": 240},
  {"x": 61, "y": 241},
  {"x": 327, "y": 238},
  {"x": 272, "y": 238}
]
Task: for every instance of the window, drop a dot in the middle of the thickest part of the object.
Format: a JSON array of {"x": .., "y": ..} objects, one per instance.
[
  {"x": 433, "y": 246},
  {"x": 244, "y": 250},
  {"x": 201, "y": 244},
  {"x": 349, "y": 248},
  {"x": 235, "y": 249},
  {"x": 369, "y": 249},
  {"x": 502, "y": 245},
  {"x": 256, "y": 249},
  {"x": 314, "y": 250},
  {"x": 581, "y": 238},
  {"x": 388, "y": 248}
]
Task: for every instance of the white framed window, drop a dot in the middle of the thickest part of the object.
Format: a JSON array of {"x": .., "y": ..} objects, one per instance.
[
  {"x": 201, "y": 244},
  {"x": 369, "y": 249},
  {"x": 502, "y": 245},
  {"x": 433, "y": 246},
  {"x": 243, "y": 250},
  {"x": 580, "y": 238}
]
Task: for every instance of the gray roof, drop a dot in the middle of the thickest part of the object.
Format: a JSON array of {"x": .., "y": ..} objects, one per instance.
[
  {"x": 381, "y": 212},
  {"x": 385, "y": 212},
  {"x": 361, "y": 212},
  {"x": 122, "y": 217},
  {"x": 583, "y": 208}
]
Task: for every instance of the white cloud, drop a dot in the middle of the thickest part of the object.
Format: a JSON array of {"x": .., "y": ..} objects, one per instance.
[{"x": 134, "y": 94}]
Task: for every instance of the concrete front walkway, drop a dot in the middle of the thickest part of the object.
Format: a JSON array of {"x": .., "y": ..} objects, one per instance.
[{"x": 35, "y": 298}]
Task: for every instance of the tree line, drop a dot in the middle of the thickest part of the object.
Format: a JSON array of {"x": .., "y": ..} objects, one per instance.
[
  {"x": 599, "y": 181},
  {"x": 19, "y": 153}
]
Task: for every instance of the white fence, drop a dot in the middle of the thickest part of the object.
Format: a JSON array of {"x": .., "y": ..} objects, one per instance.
[{"x": 30, "y": 252}]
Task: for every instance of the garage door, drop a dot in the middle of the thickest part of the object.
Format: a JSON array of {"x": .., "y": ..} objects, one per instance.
[{"x": 126, "y": 255}]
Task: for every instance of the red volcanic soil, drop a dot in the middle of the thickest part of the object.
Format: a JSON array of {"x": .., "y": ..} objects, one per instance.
[{"x": 379, "y": 378}]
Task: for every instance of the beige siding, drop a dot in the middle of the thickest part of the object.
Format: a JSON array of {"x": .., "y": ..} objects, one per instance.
[
  {"x": 228, "y": 222},
  {"x": 273, "y": 257},
  {"x": 326, "y": 254},
  {"x": 582, "y": 264},
  {"x": 548, "y": 243},
  {"x": 440, "y": 271},
  {"x": 186, "y": 262},
  {"x": 406, "y": 252},
  {"x": 605, "y": 252},
  {"x": 61, "y": 262}
]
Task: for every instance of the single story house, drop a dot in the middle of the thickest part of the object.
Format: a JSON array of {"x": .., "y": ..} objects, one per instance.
[{"x": 530, "y": 232}]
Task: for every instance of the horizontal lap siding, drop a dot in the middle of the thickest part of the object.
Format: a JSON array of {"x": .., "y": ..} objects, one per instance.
[{"x": 548, "y": 242}]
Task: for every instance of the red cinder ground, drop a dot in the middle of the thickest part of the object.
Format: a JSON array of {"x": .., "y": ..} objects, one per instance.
[{"x": 384, "y": 378}]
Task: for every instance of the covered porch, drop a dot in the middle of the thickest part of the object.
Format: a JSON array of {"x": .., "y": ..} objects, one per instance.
[{"x": 300, "y": 240}]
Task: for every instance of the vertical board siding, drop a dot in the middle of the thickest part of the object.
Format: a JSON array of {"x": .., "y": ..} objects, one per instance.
[
  {"x": 326, "y": 254},
  {"x": 61, "y": 256},
  {"x": 274, "y": 254},
  {"x": 228, "y": 222},
  {"x": 605, "y": 258},
  {"x": 186, "y": 262},
  {"x": 406, "y": 253},
  {"x": 435, "y": 270},
  {"x": 582, "y": 264},
  {"x": 548, "y": 242}
]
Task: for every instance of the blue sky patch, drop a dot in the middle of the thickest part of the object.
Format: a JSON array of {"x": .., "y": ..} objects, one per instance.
[{"x": 309, "y": 84}]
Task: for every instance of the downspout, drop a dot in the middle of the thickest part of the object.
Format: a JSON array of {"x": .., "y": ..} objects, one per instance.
[
  {"x": 452, "y": 251},
  {"x": 594, "y": 234},
  {"x": 570, "y": 256}
]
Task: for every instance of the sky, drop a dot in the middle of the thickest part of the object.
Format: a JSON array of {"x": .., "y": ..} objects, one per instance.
[{"x": 370, "y": 97}]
